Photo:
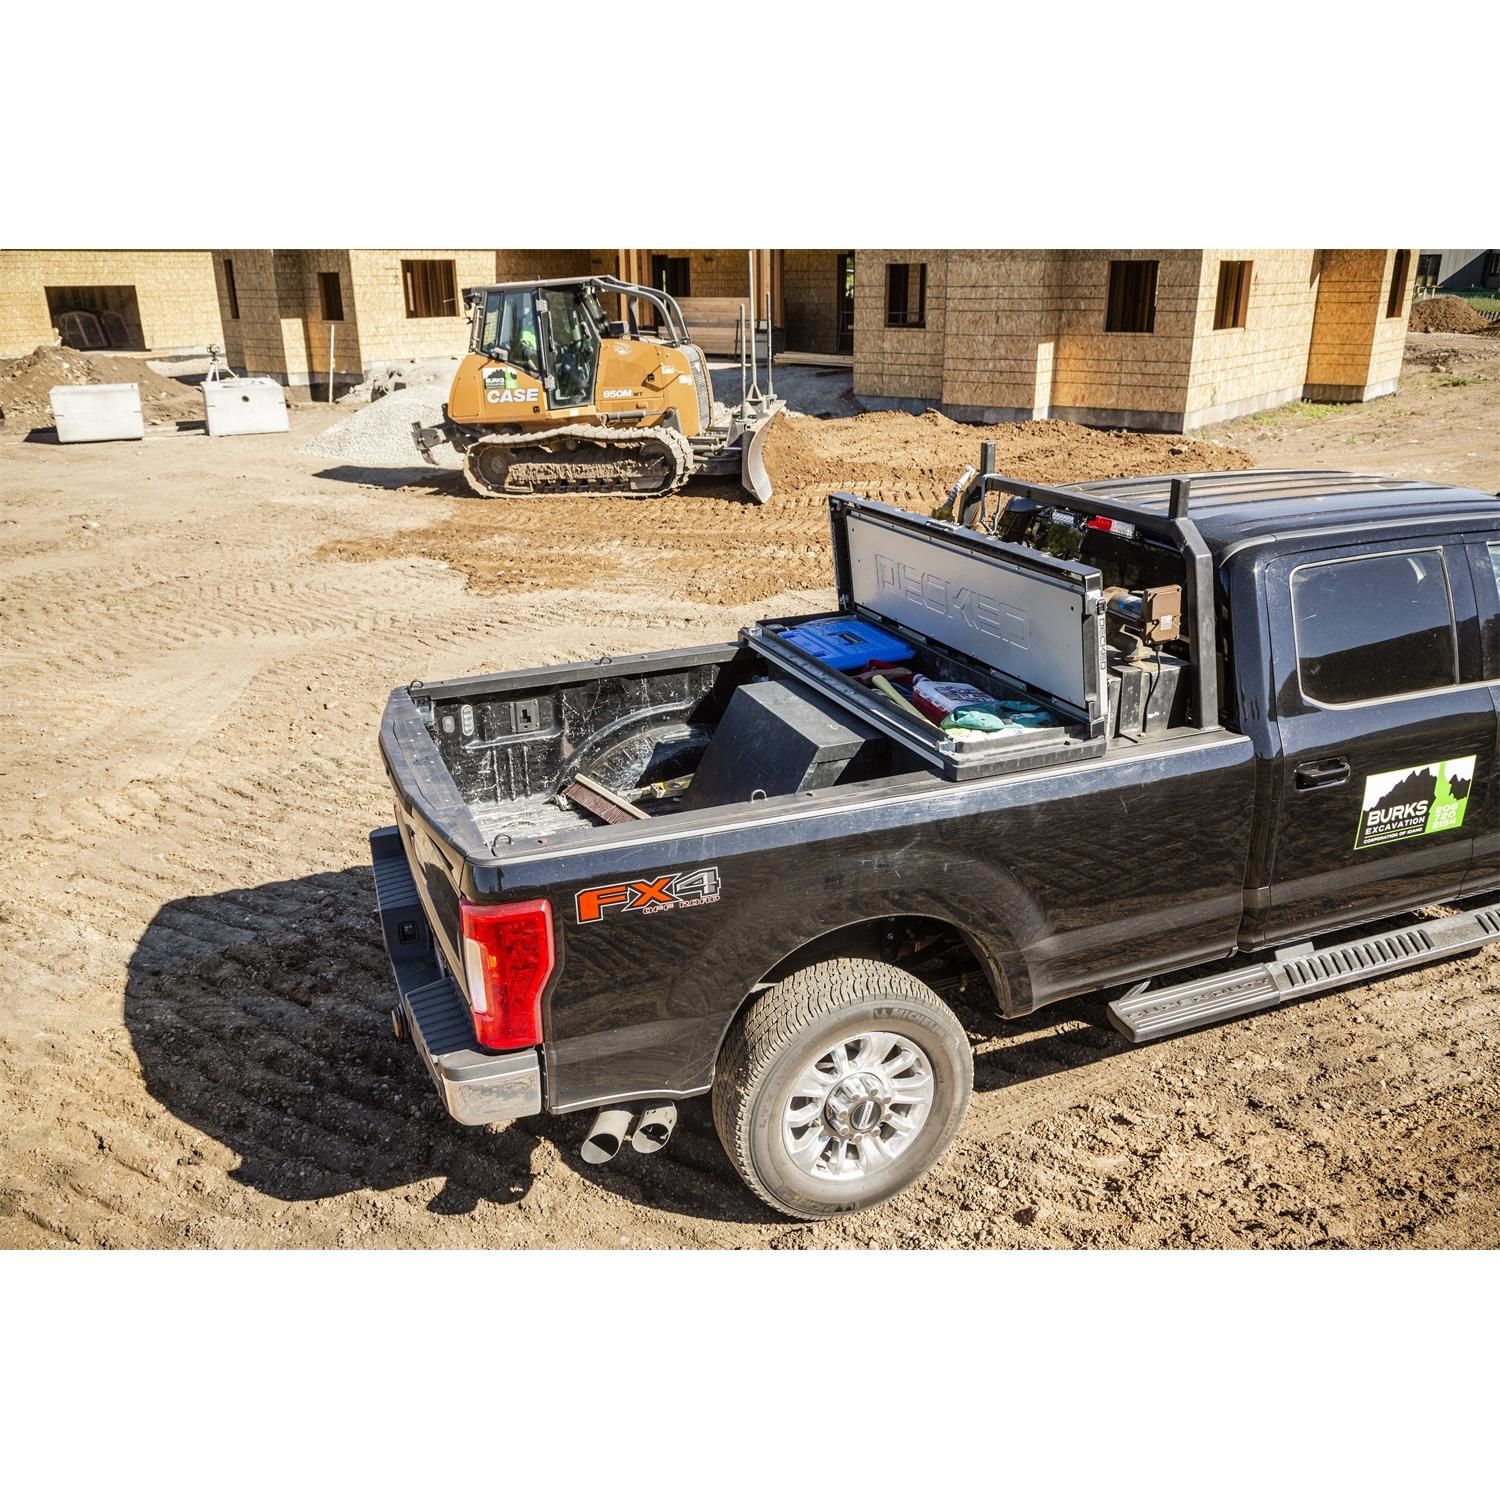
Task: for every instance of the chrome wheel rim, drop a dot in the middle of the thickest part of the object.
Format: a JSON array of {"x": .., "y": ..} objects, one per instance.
[{"x": 856, "y": 1108}]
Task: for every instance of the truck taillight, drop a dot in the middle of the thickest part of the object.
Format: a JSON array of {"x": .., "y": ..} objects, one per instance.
[{"x": 508, "y": 957}]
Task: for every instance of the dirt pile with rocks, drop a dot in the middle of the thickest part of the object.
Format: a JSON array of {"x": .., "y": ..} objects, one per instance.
[
  {"x": 879, "y": 449},
  {"x": 707, "y": 544},
  {"x": 1447, "y": 315},
  {"x": 26, "y": 385}
]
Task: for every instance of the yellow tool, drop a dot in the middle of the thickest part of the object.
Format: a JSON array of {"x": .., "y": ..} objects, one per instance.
[{"x": 555, "y": 397}]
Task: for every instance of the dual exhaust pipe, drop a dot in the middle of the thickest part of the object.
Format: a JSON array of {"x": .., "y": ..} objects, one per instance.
[{"x": 647, "y": 1127}]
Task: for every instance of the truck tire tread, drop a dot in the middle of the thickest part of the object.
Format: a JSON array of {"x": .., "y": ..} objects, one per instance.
[{"x": 772, "y": 1022}]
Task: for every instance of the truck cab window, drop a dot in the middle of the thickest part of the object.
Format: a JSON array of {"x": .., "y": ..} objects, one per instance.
[{"x": 1374, "y": 627}]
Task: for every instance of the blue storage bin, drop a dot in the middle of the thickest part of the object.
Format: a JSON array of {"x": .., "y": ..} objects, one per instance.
[{"x": 848, "y": 644}]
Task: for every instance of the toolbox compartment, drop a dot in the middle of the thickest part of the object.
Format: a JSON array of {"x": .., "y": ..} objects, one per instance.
[{"x": 1008, "y": 619}]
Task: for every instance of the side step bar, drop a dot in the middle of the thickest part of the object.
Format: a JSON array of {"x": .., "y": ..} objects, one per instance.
[{"x": 1146, "y": 1015}]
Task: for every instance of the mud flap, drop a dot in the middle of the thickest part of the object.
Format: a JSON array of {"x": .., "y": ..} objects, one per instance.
[{"x": 753, "y": 477}]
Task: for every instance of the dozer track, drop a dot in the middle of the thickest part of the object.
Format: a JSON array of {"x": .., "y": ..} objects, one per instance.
[{"x": 632, "y": 463}]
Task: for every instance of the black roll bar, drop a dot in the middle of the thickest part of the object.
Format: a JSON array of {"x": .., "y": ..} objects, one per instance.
[
  {"x": 663, "y": 301},
  {"x": 1175, "y": 527}
]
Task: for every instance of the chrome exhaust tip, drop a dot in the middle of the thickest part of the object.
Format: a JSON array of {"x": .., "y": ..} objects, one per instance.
[
  {"x": 606, "y": 1135},
  {"x": 654, "y": 1127}
]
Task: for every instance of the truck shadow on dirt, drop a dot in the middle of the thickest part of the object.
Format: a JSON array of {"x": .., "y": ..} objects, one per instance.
[{"x": 260, "y": 1017}]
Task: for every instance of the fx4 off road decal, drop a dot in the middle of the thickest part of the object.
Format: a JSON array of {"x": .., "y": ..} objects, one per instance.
[
  {"x": 656, "y": 894},
  {"x": 1420, "y": 799}
]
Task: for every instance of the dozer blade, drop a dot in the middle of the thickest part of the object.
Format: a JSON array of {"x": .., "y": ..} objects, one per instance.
[{"x": 753, "y": 476}]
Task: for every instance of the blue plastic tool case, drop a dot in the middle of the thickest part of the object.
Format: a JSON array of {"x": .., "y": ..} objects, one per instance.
[{"x": 848, "y": 644}]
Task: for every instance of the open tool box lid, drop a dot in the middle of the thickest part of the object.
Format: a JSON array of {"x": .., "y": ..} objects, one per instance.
[{"x": 1007, "y": 617}]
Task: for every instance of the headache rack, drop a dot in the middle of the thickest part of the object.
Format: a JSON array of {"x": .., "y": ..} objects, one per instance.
[{"x": 1176, "y": 528}]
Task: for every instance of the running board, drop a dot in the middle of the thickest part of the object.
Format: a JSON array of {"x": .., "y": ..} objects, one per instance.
[{"x": 1145, "y": 1015}]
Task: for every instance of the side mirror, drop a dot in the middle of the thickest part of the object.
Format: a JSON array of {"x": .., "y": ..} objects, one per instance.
[{"x": 615, "y": 330}]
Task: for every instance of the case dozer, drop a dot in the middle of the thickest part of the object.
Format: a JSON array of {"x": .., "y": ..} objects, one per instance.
[{"x": 555, "y": 397}]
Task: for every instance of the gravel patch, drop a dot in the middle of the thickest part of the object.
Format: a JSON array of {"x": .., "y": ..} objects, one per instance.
[{"x": 378, "y": 436}]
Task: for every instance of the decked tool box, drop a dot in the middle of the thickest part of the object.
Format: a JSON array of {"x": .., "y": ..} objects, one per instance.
[{"x": 1011, "y": 620}]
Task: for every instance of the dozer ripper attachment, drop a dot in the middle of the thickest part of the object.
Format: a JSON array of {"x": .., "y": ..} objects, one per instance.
[{"x": 556, "y": 397}]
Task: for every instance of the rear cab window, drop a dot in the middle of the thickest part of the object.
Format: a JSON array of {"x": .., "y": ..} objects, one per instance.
[{"x": 1380, "y": 626}]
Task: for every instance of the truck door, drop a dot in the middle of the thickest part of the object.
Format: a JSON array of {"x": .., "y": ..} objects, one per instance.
[
  {"x": 1484, "y": 561},
  {"x": 1387, "y": 728}
]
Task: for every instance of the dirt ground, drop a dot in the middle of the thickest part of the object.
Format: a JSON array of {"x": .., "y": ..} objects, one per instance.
[{"x": 198, "y": 639}]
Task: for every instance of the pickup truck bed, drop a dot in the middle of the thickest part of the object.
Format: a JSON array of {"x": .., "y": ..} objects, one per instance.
[{"x": 694, "y": 946}]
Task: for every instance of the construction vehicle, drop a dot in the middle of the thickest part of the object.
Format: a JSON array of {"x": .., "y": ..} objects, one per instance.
[{"x": 555, "y": 397}]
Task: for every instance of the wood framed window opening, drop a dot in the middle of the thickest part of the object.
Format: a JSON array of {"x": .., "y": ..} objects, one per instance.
[
  {"x": 331, "y": 296},
  {"x": 1132, "y": 297},
  {"x": 1396, "y": 302},
  {"x": 431, "y": 288},
  {"x": 906, "y": 294},
  {"x": 1234, "y": 294}
]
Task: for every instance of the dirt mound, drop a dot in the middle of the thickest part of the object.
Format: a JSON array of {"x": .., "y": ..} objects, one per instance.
[
  {"x": 1447, "y": 315},
  {"x": 706, "y": 545},
  {"x": 878, "y": 449},
  {"x": 26, "y": 383}
]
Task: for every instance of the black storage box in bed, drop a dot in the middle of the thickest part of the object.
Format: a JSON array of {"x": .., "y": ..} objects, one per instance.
[{"x": 1008, "y": 619}]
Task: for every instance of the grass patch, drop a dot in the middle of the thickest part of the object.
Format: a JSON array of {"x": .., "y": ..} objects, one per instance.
[
  {"x": 1455, "y": 381},
  {"x": 1485, "y": 302},
  {"x": 1309, "y": 411}
]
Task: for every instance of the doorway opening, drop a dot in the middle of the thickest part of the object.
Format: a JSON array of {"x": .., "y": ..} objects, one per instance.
[
  {"x": 846, "y": 303},
  {"x": 96, "y": 317}
]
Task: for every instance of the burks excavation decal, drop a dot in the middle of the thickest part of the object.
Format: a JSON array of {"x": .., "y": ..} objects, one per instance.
[{"x": 1420, "y": 799}]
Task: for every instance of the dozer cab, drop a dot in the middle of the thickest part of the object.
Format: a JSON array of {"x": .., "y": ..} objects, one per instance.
[{"x": 557, "y": 398}]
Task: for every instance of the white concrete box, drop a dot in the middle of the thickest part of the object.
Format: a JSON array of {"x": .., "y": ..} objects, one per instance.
[
  {"x": 97, "y": 413},
  {"x": 255, "y": 404}
]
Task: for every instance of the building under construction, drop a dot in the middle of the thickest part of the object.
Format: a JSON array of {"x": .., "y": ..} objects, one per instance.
[{"x": 1158, "y": 339}]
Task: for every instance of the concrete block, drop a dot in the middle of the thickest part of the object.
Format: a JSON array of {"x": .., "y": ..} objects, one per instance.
[{"x": 97, "y": 413}]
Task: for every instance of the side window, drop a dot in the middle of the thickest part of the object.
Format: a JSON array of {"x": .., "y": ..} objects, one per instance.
[
  {"x": 1373, "y": 627},
  {"x": 509, "y": 331},
  {"x": 1495, "y": 563}
]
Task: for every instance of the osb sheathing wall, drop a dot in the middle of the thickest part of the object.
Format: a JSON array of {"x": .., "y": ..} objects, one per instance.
[
  {"x": 385, "y": 331},
  {"x": 1128, "y": 373},
  {"x": 1002, "y": 317},
  {"x": 281, "y": 329},
  {"x": 1356, "y": 349},
  {"x": 1388, "y": 347},
  {"x": 174, "y": 292},
  {"x": 1012, "y": 334},
  {"x": 898, "y": 362},
  {"x": 810, "y": 295},
  {"x": 1265, "y": 362},
  {"x": 711, "y": 273}
]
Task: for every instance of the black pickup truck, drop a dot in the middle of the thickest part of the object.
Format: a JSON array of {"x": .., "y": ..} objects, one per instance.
[{"x": 1264, "y": 711}]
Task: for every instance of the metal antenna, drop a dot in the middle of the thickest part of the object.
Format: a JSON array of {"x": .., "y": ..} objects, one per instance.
[
  {"x": 770, "y": 354},
  {"x": 754, "y": 395}
]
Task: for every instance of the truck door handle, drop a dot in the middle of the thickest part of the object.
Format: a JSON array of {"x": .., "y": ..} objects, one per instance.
[{"x": 1316, "y": 773}]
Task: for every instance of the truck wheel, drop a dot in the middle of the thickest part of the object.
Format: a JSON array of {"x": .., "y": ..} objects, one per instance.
[{"x": 840, "y": 1086}]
